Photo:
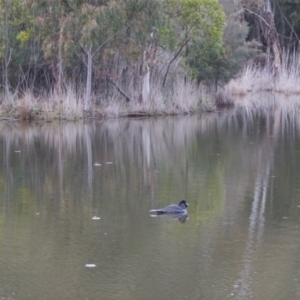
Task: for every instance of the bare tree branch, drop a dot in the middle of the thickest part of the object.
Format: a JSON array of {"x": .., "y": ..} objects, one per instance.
[
  {"x": 118, "y": 88},
  {"x": 175, "y": 56},
  {"x": 259, "y": 16}
]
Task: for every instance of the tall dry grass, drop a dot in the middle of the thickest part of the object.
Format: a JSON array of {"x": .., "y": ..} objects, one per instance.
[
  {"x": 251, "y": 79},
  {"x": 260, "y": 90},
  {"x": 66, "y": 105},
  {"x": 257, "y": 79},
  {"x": 182, "y": 98},
  {"x": 288, "y": 81}
]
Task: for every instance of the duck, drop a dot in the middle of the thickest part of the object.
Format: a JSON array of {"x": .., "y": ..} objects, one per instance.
[{"x": 180, "y": 208}]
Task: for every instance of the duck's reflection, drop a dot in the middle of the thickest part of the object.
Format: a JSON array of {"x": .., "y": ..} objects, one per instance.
[{"x": 182, "y": 218}]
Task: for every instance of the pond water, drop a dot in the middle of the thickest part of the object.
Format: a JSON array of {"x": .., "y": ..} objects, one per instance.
[{"x": 75, "y": 201}]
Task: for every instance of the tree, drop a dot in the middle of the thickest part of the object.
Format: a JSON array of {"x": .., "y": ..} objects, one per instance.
[
  {"x": 192, "y": 23},
  {"x": 140, "y": 39},
  {"x": 96, "y": 29},
  {"x": 214, "y": 63},
  {"x": 51, "y": 43},
  {"x": 260, "y": 16},
  {"x": 207, "y": 63},
  {"x": 16, "y": 28}
]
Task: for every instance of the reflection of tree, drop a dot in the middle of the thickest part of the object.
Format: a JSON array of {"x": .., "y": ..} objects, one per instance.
[
  {"x": 265, "y": 152},
  {"x": 156, "y": 151},
  {"x": 212, "y": 160},
  {"x": 88, "y": 143},
  {"x": 255, "y": 234}
]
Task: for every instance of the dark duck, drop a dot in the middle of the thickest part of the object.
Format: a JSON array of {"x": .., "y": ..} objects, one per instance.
[{"x": 180, "y": 208}]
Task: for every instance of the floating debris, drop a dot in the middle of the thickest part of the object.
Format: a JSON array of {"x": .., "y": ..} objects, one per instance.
[
  {"x": 37, "y": 214},
  {"x": 17, "y": 151},
  {"x": 96, "y": 218},
  {"x": 153, "y": 215},
  {"x": 97, "y": 164},
  {"x": 90, "y": 265},
  {"x": 109, "y": 163}
]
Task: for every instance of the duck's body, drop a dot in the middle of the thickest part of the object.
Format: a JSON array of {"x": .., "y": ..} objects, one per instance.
[{"x": 180, "y": 208}]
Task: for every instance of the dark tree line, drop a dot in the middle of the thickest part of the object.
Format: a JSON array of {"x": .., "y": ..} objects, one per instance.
[{"x": 131, "y": 45}]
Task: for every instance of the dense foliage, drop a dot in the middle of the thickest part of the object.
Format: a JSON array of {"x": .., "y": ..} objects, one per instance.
[
  {"x": 97, "y": 45},
  {"x": 49, "y": 44}
]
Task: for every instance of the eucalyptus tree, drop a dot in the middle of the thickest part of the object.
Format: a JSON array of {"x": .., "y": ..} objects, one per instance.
[
  {"x": 286, "y": 14},
  {"x": 145, "y": 27},
  {"x": 218, "y": 65},
  {"x": 140, "y": 39},
  {"x": 93, "y": 41},
  {"x": 276, "y": 25},
  {"x": 5, "y": 48},
  {"x": 50, "y": 18},
  {"x": 96, "y": 26},
  {"x": 166, "y": 25},
  {"x": 16, "y": 28},
  {"x": 72, "y": 31},
  {"x": 193, "y": 23}
]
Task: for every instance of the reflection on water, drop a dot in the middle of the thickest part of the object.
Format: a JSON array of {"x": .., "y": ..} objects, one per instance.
[
  {"x": 182, "y": 218},
  {"x": 78, "y": 194}
]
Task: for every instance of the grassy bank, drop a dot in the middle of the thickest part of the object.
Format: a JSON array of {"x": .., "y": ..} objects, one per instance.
[
  {"x": 258, "y": 88},
  {"x": 254, "y": 89},
  {"x": 257, "y": 79},
  {"x": 183, "y": 98}
]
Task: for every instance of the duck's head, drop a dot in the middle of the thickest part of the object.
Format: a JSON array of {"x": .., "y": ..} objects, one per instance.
[{"x": 183, "y": 204}]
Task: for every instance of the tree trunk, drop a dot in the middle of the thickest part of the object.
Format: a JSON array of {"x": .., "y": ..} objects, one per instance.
[
  {"x": 146, "y": 83},
  {"x": 59, "y": 67},
  {"x": 272, "y": 39},
  {"x": 88, "y": 78},
  {"x": 264, "y": 22},
  {"x": 8, "y": 50},
  {"x": 148, "y": 63}
]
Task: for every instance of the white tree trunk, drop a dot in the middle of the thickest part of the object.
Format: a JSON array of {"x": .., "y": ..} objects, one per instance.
[
  {"x": 88, "y": 79},
  {"x": 268, "y": 6},
  {"x": 148, "y": 63},
  {"x": 146, "y": 83},
  {"x": 60, "y": 67}
]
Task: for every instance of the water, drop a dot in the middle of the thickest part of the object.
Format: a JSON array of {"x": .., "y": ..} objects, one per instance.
[{"x": 74, "y": 221}]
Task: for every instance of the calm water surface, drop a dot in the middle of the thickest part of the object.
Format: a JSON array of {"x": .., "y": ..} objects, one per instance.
[{"x": 240, "y": 175}]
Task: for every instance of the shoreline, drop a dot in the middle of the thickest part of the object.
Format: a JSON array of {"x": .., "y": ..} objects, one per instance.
[
  {"x": 252, "y": 102},
  {"x": 239, "y": 94},
  {"x": 70, "y": 105}
]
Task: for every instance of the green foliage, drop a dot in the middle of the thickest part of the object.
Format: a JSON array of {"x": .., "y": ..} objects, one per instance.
[
  {"x": 199, "y": 24},
  {"x": 24, "y": 35},
  {"x": 215, "y": 63},
  {"x": 141, "y": 20},
  {"x": 238, "y": 51},
  {"x": 207, "y": 63},
  {"x": 54, "y": 36},
  {"x": 17, "y": 23},
  {"x": 192, "y": 19}
]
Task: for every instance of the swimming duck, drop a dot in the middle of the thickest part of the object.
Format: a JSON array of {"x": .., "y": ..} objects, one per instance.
[{"x": 181, "y": 208}]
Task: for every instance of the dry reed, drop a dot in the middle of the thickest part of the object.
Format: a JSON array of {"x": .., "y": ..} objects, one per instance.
[
  {"x": 183, "y": 97},
  {"x": 258, "y": 79}
]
